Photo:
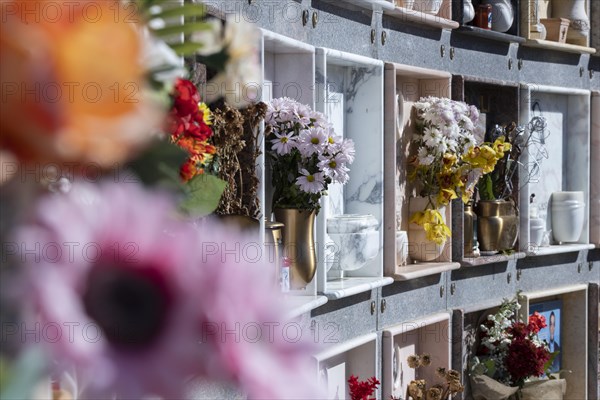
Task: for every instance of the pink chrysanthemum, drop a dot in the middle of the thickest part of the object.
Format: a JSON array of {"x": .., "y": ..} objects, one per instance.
[{"x": 142, "y": 298}]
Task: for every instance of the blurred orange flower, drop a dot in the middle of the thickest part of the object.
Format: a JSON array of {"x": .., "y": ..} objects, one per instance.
[{"x": 73, "y": 86}]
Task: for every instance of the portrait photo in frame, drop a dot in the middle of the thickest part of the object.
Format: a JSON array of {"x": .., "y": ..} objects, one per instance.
[{"x": 551, "y": 334}]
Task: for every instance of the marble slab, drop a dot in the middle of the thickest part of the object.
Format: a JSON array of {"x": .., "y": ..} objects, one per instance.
[{"x": 350, "y": 94}]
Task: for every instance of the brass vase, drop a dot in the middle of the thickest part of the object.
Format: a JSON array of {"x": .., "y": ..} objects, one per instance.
[
  {"x": 471, "y": 247},
  {"x": 298, "y": 244},
  {"x": 497, "y": 225}
]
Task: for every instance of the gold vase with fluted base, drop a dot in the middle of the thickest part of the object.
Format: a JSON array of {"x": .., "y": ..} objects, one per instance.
[{"x": 298, "y": 244}]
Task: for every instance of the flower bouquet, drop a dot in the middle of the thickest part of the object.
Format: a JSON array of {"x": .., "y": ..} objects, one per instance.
[
  {"x": 511, "y": 357},
  {"x": 306, "y": 154},
  {"x": 449, "y": 159}
]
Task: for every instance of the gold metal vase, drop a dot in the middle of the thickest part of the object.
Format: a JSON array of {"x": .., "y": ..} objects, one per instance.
[
  {"x": 497, "y": 225},
  {"x": 298, "y": 243}
]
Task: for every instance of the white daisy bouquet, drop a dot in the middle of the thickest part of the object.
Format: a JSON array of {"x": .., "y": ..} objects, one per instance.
[
  {"x": 306, "y": 154},
  {"x": 448, "y": 160}
]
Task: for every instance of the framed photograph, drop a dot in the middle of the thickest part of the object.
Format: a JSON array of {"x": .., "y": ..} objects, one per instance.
[{"x": 551, "y": 333}]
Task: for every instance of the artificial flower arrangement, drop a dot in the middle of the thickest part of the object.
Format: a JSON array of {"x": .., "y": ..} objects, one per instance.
[
  {"x": 189, "y": 128},
  {"x": 420, "y": 390},
  {"x": 306, "y": 154},
  {"x": 449, "y": 159},
  {"x": 510, "y": 353},
  {"x": 362, "y": 390}
]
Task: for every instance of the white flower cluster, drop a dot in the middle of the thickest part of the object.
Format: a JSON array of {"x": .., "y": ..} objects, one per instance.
[
  {"x": 324, "y": 154},
  {"x": 448, "y": 127}
]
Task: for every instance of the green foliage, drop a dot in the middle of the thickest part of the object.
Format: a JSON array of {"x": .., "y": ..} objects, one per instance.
[
  {"x": 203, "y": 193},
  {"x": 179, "y": 19},
  {"x": 159, "y": 165}
]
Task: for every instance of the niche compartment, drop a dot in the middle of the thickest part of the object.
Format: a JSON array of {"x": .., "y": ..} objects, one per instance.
[
  {"x": 335, "y": 365},
  {"x": 288, "y": 69},
  {"x": 405, "y": 85},
  {"x": 574, "y": 331},
  {"x": 428, "y": 335},
  {"x": 498, "y": 103},
  {"x": 350, "y": 94},
  {"x": 531, "y": 13},
  {"x": 567, "y": 167}
]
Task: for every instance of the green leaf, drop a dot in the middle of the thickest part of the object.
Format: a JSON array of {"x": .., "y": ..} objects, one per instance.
[
  {"x": 486, "y": 188},
  {"x": 159, "y": 165},
  {"x": 186, "y": 29},
  {"x": 203, "y": 195},
  {"x": 186, "y": 49},
  {"x": 187, "y": 10},
  {"x": 215, "y": 61}
]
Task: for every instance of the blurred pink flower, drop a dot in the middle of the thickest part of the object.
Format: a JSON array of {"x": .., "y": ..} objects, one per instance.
[{"x": 144, "y": 298}]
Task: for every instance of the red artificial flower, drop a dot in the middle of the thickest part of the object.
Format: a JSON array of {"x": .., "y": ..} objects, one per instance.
[
  {"x": 525, "y": 359},
  {"x": 536, "y": 322},
  {"x": 362, "y": 390},
  {"x": 186, "y": 97},
  {"x": 518, "y": 330}
]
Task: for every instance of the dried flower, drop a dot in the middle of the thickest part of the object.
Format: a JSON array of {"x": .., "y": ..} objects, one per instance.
[
  {"x": 416, "y": 389},
  {"x": 441, "y": 372},
  {"x": 434, "y": 393},
  {"x": 413, "y": 361},
  {"x": 452, "y": 375},
  {"x": 425, "y": 360}
]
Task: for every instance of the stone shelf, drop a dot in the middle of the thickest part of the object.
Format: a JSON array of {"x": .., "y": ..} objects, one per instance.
[
  {"x": 298, "y": 305},
  {"x": 419, "y": 270},
  {"x": 340, "y": 288},
  {"x": 559, "y": 249},
  {"x": 496, "y": 258}
]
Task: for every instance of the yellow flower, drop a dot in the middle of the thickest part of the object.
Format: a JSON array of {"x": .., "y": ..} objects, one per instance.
[
  {"x": 206, "y": 113},
  {"x": 500, "y": 146},
  {"x": 445, "y": 196},
  {"x": 449, "y": 161},
  {"x": 435, "y": 229}
]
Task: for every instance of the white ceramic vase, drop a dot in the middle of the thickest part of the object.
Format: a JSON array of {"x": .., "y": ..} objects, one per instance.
[
  {"x": 419, "y": 247},
  {"x": 502, "y": 15},
  {"x": 468, "y": 11},
  {"x": 568, "y": 215},
  {"x": 574, "y": 10}
]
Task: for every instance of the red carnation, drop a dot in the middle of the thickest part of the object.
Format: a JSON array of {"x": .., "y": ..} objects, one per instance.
[
  {"x": 536, "y": 322},
  {"x": 186, "y": 97},
  {"x": 524, "y": 359},
  {"x": 518, "y": 330}
]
